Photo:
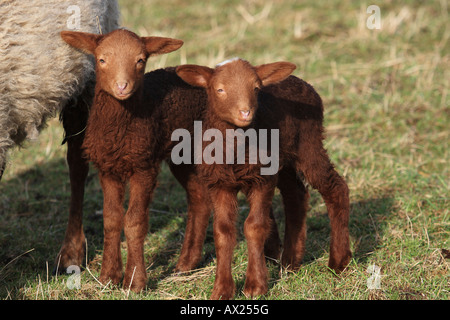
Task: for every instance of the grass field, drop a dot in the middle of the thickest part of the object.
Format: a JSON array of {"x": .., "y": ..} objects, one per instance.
[{"x": 386, "y": 97}]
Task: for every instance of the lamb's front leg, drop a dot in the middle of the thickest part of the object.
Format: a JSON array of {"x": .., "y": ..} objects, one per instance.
[
  {"x": 256, "y": 229},
  {"x": 113, "y": 193},
  {"x": 225, "y": 209},
  {"x": 142, "y": 186}
]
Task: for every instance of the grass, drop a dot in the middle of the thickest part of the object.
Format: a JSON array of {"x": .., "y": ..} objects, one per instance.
[{"x": 386, "y": 94}]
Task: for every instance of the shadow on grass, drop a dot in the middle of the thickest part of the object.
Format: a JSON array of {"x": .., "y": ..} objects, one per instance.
[
  {"x": 366, "y": 226},
  {"x": 34, "y": 211},
  {"x": 33, "y": 217},
  {"x": 34, "y": 207}
]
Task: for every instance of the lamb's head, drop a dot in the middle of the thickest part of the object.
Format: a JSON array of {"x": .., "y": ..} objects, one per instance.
[
  {"x": 233, "y": 86},
  {"x": 120, "y": 56}
]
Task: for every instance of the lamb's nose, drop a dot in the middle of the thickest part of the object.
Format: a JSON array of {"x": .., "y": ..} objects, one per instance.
[
  {"x": 121, "y": 86},
  {"x": 244, "y": 113}
]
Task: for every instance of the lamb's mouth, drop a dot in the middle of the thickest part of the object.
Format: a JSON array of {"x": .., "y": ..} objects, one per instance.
[
  {"x": 123, "y": 96},
  {"x": 245, "y": 116},
  {"x": 243, "y": 121}
]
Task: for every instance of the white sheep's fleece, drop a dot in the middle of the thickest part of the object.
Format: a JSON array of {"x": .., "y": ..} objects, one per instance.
[{"x": 39, "y": 73}]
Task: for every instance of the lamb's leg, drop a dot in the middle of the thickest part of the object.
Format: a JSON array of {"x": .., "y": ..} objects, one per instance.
[
  {"x": 225, "y": 210},
  {"x": 296, "y": 200},
  {"x": 320, "y": 173},
  {"x": 142, "y": 186},
  {"x": 336, "y": 197},
  {"x": 256, "y": 229},
  {"x": 113, "y": 216},
  {"x": 73, "y": 248},
  {"x": 272, "y": 247},
  {"x": 199, "y": 211}
]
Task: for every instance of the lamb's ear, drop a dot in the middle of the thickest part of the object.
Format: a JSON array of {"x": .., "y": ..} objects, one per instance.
[
  {"x": 274, "y": 72},
  {"x": 87, "y": 42},
  {"x": 160, "y": 45},
  {"x": 197, "y": 76}
]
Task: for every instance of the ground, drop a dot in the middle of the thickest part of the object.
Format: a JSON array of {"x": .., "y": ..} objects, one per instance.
[{"x": 386, "y": 97}]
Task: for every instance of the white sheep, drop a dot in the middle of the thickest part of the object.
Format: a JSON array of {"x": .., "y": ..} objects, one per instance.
[{"x": 40, "y": 75}]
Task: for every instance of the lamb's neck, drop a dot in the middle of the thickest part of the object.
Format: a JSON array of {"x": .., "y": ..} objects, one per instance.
[{"x": 107, "y": 104}]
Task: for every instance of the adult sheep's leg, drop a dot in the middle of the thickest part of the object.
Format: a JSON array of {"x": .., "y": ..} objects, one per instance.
[
  {"x": 320, "y": 173},
  {"x": 2, "y": 169},
  {"x": 73, "y": 248},
  {"x": 256, "y": 229},
  {"x": 296, "y": 200},
  {"x": 199, "y": 211},
  {"x": 113, "y": 216},
  {"x": 142, "y": 185},
  {"x": 225, "y": 210},
  {"x": 74, "y": 118}
]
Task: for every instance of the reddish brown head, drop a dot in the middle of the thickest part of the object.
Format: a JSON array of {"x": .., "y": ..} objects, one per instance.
[
  {"x": 233, "y": 86},
  {"x": 120, "y": 56}
]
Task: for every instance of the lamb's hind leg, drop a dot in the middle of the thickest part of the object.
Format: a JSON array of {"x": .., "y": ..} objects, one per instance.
[
  {"x": 296, "y": 200},
  {"x": 199, "y": 211},
  {"x": 272, "y": 246},
  {"x": 320, "y": 173}
]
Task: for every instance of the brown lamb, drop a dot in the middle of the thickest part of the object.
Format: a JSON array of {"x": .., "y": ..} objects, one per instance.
[
  {"x": 241, "y": 96},
  {"x": 120, "y": 141}
]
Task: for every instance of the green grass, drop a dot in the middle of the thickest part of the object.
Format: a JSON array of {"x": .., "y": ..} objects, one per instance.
[{"x": 386, "y": 96}]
